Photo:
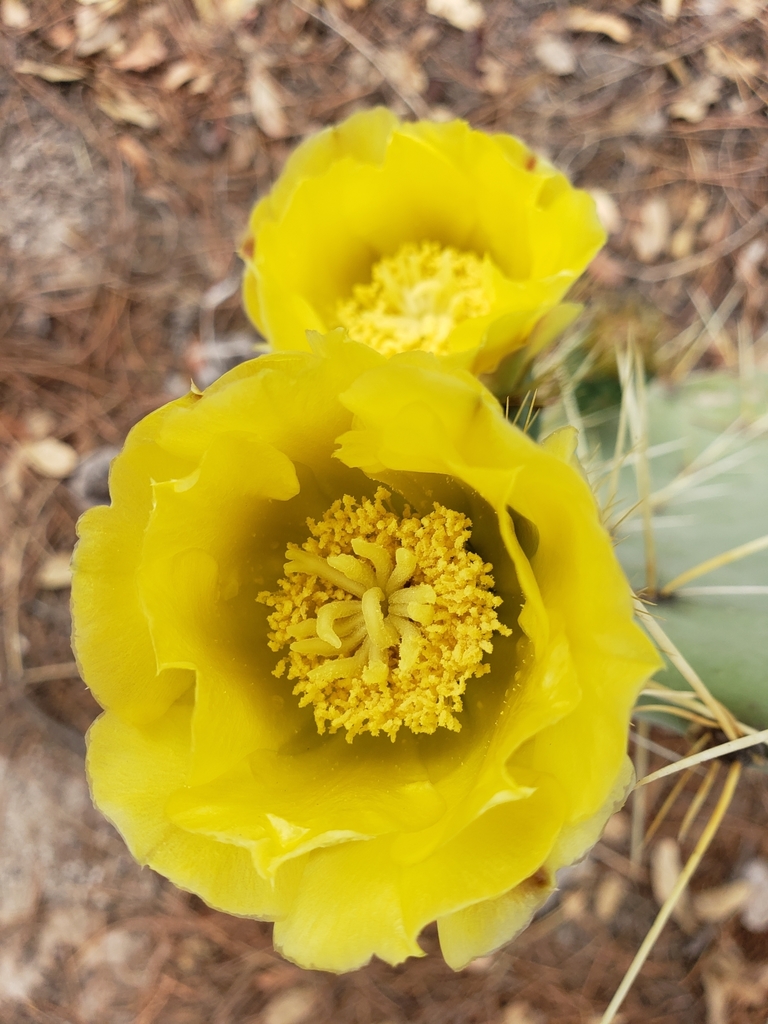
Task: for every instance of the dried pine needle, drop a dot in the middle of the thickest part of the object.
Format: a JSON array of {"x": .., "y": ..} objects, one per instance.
[
  {"x": 721, "y": 714},
  {"x": 696, "y": 804},
  {"x": 726, "y": 558},
  {"x": 743, "y": 743},
  {"x": 675, "y": 792},
  {"x": 723, "y": 803}
]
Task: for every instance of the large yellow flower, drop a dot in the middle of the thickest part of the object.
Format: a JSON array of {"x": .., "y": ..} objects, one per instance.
[
  {"x": 418, "y": 236},
  {"x": 366, "y": 655}
]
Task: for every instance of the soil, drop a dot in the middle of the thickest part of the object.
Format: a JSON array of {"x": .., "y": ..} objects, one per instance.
[{"x": 124, "y": 192}]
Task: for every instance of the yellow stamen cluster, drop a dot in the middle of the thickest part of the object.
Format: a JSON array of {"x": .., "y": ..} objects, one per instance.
[
  {"x": 386, "y": 617},
  {"x": 417, "y": 297}
]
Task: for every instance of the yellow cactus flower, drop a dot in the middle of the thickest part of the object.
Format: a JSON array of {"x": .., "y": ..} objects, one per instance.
[
  {"x": 365, "y": 654},
  {"x": 418, "y": 236}
]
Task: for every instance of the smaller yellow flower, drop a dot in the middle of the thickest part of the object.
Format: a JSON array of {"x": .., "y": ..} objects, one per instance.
[{"x": 418, "y": 236}]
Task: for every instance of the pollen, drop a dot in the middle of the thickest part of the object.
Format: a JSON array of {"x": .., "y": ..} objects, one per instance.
[
  {"x": 417, "y": 297},
  {"x": 385, "y": 618}
]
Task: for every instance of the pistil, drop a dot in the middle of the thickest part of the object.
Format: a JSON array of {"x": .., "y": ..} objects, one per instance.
[{"x": 385, "y": 618}]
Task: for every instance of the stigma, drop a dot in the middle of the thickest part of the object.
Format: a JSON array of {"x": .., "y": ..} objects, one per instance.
[
  {"x": 417, "y": 297},
  {"x": 385, "y": 618}
]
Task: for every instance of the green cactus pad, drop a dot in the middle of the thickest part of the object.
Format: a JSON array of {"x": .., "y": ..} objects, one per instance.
[{"x": 723, "y": 504}]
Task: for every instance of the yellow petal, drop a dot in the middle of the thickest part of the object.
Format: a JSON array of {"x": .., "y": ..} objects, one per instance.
[
  {"x": 348, "y": 908},
  {"x": 283, "y": 805},
  {"x": 122, "y": 673},
  {"x": 199, "y": 582},
  {"x": 482, "y": 927},
  {"x": 132, "y": 772}
]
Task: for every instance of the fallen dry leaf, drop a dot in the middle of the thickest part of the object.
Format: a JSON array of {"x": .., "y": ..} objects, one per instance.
[
  {"x": 670, "y": 9},
  {"x": 11, "y": 476},
  {"x": 617, "y": 827},
  {"x": 607, "y": 210},
  {"x": 609, "y": 897},
  {"x": 494, "y": 80},
  {"x": 731, "y": 981},
  {"x": 581, "y": 19},
  {"x": 228, "y": 11},
  {"x": 50, "y": 72},
  {"x": 574, "y": 905},
  {"x": 60, "y": 36},
  {"x": 121, "y": 105},
  {"x": 202, "y": 83},
  {"x": 88, "y": 21},
  {"x": 105, "y": 7},
  {"x": 716, "y": 992},
  {"x": 718, "y": 904},
  {"x": 666, "y": 866},
  {"x": 556, "y": 55},
  {"x": 717, "y": 226},
  {"x": 105, "y": 37},
  {"x": 55, "y": 573},
  {"x": 481, "y": 964},
  {"x": 681, "y": 243},
  {"x": 693, "y": 102},
  {"x": 519, "y": 1012},
  {"x": 39, "y": 424},
  {"x": 754, "y": 917},
  {"x": 291, "y": 1007},
  {"x": 50, "y": 457},
  {"x": 178, "y": 74},
  {"x": 748, "y": 263},
  {"x": 243, "y": 149},
  {"x": 466, "y": 15},
  {"x": 266, "y": 102},
  {"x": 729, "y": 64},
  {"x": 15, "y": 14},
  {"x": 651, "y": 235},
  {"x": 404, "y": 71},
  {"x": 147, "y": 52}
]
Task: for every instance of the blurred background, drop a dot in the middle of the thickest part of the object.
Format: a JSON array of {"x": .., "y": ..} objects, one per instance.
[{"x": 134, "y": 137}]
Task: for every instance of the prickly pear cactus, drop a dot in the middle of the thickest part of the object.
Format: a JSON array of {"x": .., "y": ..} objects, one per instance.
[
  {"x": 708, "y": 469},
  {"x": 707, "y": 481}
]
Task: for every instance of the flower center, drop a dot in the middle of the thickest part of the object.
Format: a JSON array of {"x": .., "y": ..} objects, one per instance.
[
  {"x": 386, "y": 617},
  {"x": 417, "y": 297}
]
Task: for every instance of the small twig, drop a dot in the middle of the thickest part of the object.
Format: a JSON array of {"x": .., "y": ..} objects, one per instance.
[
  {"x": 743, "y": 743},
  {"x": 724, "y": 802}
]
